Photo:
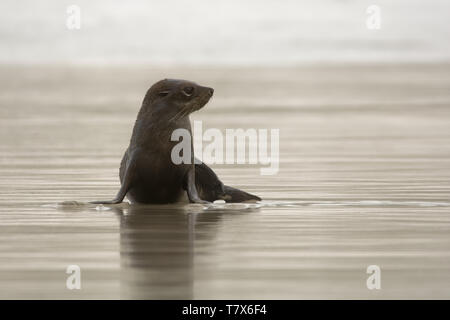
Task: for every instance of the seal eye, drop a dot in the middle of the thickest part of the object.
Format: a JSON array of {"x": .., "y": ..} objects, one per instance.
[
  {"x": 188, "y": 91},
  {"x": 163, "y": 93}
]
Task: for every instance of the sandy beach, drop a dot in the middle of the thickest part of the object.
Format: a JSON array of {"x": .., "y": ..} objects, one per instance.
[{"x": 364, "y": 180}]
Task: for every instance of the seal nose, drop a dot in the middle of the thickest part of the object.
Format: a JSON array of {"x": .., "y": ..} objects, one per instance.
[{"x": 210, "y": 91}]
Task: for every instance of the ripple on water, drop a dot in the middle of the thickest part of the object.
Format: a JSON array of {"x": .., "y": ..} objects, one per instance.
[{"x": 360, "y": 203}]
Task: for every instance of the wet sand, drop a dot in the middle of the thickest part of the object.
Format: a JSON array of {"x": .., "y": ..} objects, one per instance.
[{"x": 364, "y": 180}]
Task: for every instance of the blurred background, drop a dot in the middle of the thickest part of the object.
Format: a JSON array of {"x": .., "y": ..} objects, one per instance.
[{"x": 233, "y": 32}]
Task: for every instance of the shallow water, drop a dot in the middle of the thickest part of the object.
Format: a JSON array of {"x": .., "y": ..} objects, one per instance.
[{"x": 364, "y": 180}]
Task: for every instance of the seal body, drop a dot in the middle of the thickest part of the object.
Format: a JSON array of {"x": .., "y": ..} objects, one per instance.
[{"x": 147, "y": 172}]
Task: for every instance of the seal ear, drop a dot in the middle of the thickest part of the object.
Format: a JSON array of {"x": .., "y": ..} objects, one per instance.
[{"x": 163, "y": 93}]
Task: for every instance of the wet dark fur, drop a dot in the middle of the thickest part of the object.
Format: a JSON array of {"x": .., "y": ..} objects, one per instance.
[{"x": 147, "y": 173}]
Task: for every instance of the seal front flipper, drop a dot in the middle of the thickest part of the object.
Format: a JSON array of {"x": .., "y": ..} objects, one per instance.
[
  {"x": 128, "y": 175},
  {"x": 191, "y": 188},
  {"x": 208, "y": 185}
]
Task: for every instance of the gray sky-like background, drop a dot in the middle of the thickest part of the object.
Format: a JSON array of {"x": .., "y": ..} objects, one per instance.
[{"x": 231, "y": 32}]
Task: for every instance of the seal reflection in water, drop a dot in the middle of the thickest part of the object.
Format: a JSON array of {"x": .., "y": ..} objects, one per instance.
[
  {"x": 147, "y": 173},
  {"x": 156, "y": 252}
]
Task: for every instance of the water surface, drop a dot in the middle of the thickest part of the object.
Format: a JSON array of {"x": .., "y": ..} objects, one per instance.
[{"x": 364, "y": 180}]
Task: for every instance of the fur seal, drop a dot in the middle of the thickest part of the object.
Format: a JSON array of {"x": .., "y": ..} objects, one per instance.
[{"x": 147, "y": 173}]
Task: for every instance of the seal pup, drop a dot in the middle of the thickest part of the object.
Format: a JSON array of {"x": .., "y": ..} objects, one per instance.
[{"x": 147, "y": 172}]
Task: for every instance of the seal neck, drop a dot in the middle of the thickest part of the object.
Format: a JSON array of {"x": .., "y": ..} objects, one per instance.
[{"x": 153, "y": 127}]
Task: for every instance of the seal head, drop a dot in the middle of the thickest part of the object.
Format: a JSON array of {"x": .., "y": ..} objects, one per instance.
[{"x": 177, "y": 98}]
